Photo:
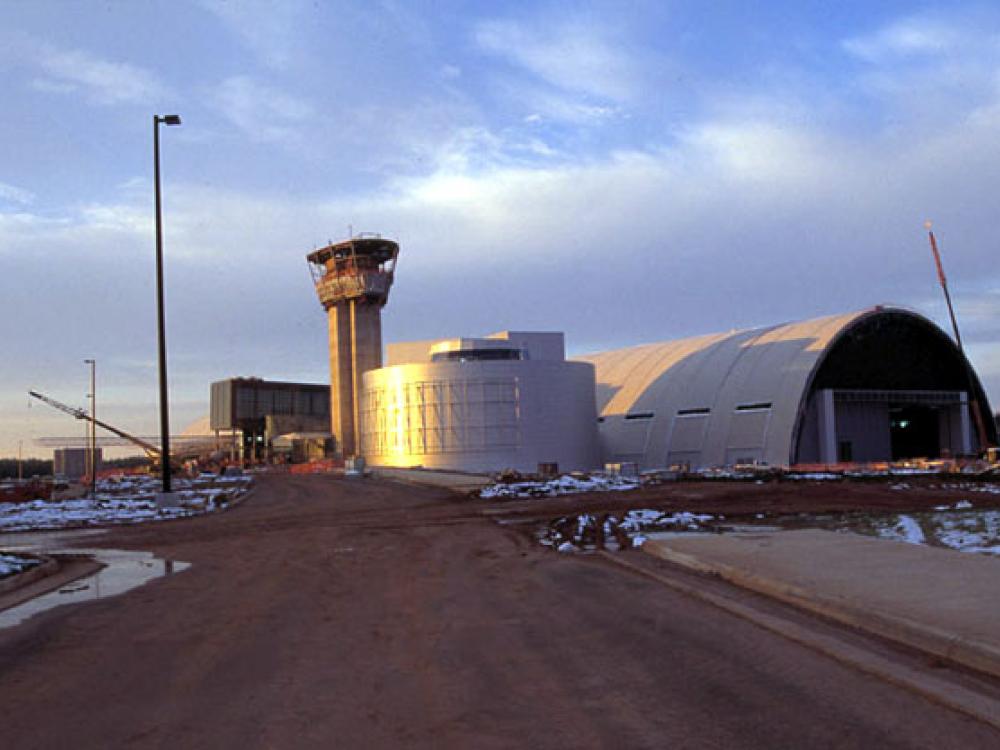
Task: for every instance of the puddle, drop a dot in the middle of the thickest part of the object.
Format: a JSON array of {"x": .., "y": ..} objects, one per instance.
[{"x": 126, "y": 569}]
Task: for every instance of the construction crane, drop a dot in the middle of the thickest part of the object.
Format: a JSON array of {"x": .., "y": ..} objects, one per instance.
[
  {"x": 977, "y": 415},
  {"x": 151, "y": 450}
]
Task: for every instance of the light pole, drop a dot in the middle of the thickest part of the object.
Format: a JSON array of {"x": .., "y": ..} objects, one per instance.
[
  {"x": 92, "y": 463},
  {"x": 161, "y": 335}
]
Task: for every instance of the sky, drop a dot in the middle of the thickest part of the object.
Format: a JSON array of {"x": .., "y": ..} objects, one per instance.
[{"x": 625, "y": 172}]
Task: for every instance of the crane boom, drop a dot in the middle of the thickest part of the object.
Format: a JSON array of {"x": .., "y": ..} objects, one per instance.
[
  {"x": 977, "y": 415},
  {"x": 151, "y": 450}
]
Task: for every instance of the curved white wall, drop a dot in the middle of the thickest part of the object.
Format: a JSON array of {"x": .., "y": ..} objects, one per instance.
[
  {"x": 481, "y": 415},
  {"x": 721, "y": 399}
]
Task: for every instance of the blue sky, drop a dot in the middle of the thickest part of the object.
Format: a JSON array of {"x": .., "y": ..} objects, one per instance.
[{"x": 624, "y": 172}]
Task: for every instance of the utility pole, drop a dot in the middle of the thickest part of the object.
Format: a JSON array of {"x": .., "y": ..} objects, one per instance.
[
  {"x": 92, "y": 463},
  {"x": 160, "y": 324},
  {"x": 20, "y": 462},
  {"x": 977, "y": 415}
]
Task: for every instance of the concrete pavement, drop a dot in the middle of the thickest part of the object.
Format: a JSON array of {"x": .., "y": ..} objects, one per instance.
[
  {"x": 940, "y": 601},
  {"x": 452, "y": 480}
]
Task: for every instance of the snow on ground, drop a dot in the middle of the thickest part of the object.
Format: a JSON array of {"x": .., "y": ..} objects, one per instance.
[
  {"x": 645, "y": 520},
  {"x": 905, "y": 530},
  {"x": 564, "y": 485},
  {"x": 815, "y": 476},
  {"x": 990, "y": 488},
  {"x": 129, "y": 499},
  {"x": 958, "y": 527},
  {"x": 11, "y": 564},
  {"x": 609, "y": 531}
]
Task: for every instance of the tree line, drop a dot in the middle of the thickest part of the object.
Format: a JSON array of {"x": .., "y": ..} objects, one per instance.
[
  {"x": 42, "y": 467},
  {"x": 32, "y": 467}
]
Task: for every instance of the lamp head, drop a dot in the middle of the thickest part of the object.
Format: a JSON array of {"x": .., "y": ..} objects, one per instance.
[{"x": 170, "y": 119}]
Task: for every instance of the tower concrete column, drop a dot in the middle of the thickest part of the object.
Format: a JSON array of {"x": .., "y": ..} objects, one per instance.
[{"x": 352, "y": 281}]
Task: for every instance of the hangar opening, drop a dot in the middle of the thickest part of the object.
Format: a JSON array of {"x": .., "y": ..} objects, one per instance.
[{"x": 892, "y": 386}]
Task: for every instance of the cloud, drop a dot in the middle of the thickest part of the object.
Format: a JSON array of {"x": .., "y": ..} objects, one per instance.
[
  {"x": 269, "y": 29},
  {"x": 907, "y": 38},
  {"x": 101, "y": 81},
  {"x": 544, "y": 104},
  {"x": 928, "y": 68},
  {"x": 14, "y": 194},
  {"x": 263, "y": 113},
  {"x": 572, "y": 56}
]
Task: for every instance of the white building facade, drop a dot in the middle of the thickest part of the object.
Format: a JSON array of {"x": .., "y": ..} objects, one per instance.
[
  {"x": 508, "y": 400},
  {"x": 873, "y": 385}
]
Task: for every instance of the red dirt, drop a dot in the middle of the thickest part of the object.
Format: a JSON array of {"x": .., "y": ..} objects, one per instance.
[
  {"x": 368, "y": 614},
  {"x": 775, "y": 497}
]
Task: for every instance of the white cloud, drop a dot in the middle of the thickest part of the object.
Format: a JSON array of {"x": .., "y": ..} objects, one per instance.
[
  {"x": 49, "y": 86},
  {"x": 102, "y": 81},
  {"x": 269, "y": 28},
  {"x": 263, "y": 113},
  {"x": 556, "y": 106},
  {"x": 572, "y": 56},
  {"x": 907, "y": 38},
  {"x": 14, "y": 194}
]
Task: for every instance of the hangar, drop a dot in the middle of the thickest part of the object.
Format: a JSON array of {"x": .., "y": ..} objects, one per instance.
[{"x": 873, "y": 385}]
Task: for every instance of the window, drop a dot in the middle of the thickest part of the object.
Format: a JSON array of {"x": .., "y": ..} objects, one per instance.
[
  {"x": 477, "y": 355},
  {"x": 758, "y": 406}
]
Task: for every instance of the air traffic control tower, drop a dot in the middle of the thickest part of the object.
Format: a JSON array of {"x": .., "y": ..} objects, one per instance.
[{"x": 352, "y": 280}]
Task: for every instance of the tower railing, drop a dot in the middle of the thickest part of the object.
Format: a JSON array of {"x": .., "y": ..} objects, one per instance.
[{"x": 333, "y": 288}]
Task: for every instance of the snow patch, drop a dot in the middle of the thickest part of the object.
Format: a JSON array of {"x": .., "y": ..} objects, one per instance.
[
  {"x": 12, "y": 564},
  {"x": 588, "y": 531},
  {"x": 120, "y": 500},
  {"x": 963, "y": 530},
  {"x": 564, "y": 485},
  {"x": 906, "y": 530}
]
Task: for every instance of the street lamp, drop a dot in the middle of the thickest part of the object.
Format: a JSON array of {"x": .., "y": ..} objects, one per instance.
[
  {"x": 92, "y": 463},
  {"x": 161, "y": 335}
]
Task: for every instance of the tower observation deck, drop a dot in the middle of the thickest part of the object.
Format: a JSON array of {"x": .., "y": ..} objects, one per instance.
[{"x": 352, "y": 279}]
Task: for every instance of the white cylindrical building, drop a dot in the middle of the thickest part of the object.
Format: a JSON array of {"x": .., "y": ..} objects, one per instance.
[{"x": 509, "y": 400}]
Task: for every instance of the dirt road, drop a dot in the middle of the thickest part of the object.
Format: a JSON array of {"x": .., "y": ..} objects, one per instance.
[{"x": 326, "y": 613}]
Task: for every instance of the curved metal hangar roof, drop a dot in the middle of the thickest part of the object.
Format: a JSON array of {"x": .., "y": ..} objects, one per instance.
[{"x": 872, "y": 385}]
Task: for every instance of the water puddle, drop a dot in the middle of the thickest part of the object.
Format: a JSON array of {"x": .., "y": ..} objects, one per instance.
[{"x": 125, "y": 570}]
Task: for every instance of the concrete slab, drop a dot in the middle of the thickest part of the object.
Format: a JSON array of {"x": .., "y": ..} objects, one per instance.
[
  {"x": 453, "y": 480},
  {"x": 940, "y": 601}
]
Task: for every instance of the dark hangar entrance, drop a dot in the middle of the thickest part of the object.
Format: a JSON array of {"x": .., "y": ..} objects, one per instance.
[
  {"x": 893, "y": 387},
  {"x": 914, "y": 431}
]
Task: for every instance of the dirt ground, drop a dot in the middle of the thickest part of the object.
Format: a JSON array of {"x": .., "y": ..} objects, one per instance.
[
  {"x": 736, "y": 499},
  {"x": 369, "y": 614}
]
